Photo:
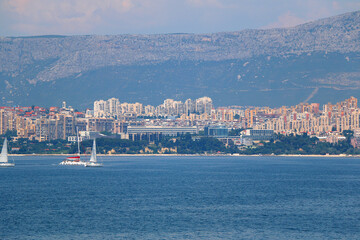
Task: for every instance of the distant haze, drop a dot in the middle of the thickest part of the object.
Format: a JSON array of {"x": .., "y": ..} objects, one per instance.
[{"x": 109, "y": 17}]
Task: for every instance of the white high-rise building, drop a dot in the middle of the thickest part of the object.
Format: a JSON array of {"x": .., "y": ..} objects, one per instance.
[
  {"x": 100, "y": 108},
  {"x": 189, "y": 106},
  {"x": 113, "y": 104},
  {"x": 204, "y": 105}
]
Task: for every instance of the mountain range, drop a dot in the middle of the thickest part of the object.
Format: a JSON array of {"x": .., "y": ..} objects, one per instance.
[{"x": 314, "y": 62}]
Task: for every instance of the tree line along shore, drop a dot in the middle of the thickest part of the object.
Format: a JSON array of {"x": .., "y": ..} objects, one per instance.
[{"x": 190, "y": 145}]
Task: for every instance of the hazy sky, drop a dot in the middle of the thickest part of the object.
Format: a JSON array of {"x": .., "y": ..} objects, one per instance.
[{"x": 74, "y": 17}]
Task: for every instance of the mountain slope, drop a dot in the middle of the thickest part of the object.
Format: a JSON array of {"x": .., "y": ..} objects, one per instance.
[{"x": 262, "y": 67}]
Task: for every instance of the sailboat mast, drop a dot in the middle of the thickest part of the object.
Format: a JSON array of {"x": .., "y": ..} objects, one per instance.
[
  {"x": 78, "y": 140},
  {"x": 94, "y": 149}
]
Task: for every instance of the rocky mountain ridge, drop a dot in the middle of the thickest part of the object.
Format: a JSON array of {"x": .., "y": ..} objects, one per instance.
[{"x": 28, "y": 65}]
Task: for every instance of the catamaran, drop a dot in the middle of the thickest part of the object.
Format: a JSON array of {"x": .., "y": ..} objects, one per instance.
[
  {"x": 4, "y": 160},
  {"x": 75, "y": 160},
  {"x": 93, "y": 159}
]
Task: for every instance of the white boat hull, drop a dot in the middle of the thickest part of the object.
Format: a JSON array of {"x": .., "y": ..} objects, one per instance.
[
  {"x": 72, "y": 163},
  {"x": 93, "y": 164},
  {"x": 7, "y": 164}
]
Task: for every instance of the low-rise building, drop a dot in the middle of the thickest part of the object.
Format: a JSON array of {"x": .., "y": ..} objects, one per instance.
[
  {"x": 216, "y": 131},
  {"x": 258, "y": 135}
]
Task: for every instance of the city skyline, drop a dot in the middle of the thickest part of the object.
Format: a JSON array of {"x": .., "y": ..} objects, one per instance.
[
  {"x": 111, "y": 116},
  {"x": 175, "y": 100}
]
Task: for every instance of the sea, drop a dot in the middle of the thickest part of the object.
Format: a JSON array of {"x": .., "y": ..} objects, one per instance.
[{"x": 195, "y": 197}]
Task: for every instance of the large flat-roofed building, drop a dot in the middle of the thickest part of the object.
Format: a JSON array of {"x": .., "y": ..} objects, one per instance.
[
  {"x": 172, "y": 131},
  {"x": 155, "y": 132}
]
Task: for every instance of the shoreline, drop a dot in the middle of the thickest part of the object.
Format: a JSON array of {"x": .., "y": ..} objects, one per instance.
[{"x": 192, "y": 155}]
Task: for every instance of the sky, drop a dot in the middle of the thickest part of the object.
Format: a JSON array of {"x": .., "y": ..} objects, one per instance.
[{"x": 109, "y": 17}]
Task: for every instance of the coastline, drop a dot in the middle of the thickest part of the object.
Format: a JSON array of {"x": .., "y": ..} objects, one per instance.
[{"x": 193, "y": 155}]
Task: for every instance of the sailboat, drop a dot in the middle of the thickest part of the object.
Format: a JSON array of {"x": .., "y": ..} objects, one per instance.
[
  {"x": 93, "y": 159},
  {"x": 75, "y": 160},
  {"x": 4, "y": 160}
]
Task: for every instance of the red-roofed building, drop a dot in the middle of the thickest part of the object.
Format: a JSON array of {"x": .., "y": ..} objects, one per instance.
[{"x": 79, "y": 114}]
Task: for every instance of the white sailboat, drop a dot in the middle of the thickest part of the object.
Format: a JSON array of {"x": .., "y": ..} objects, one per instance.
[
  {"x": 75, "y": 160},
  {"x": 4, "y": 160},
  {"x": 93, "y": 159}
]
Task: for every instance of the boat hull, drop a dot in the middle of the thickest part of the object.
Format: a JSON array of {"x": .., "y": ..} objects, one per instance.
[
  {"x": 92, "y": 164},
  {"x": 7, "y": 164},
  {"x": 72, "y": 163}
]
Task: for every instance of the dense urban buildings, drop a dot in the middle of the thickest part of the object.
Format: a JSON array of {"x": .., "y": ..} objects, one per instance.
[
  {"x": 112, "y": 108},
  {"x": 173, "y": 117}
]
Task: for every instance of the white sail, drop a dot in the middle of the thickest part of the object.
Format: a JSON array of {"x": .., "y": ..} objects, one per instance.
[
  {"x": 93, "y": 153},
  {"x": 4, "y": 153}
]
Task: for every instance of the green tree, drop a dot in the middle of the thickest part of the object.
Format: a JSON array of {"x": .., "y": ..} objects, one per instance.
[{"x": 235, "y": 131}]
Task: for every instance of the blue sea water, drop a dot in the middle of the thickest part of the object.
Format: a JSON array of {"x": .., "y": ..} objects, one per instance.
[{"x": 182, "y": 198}]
